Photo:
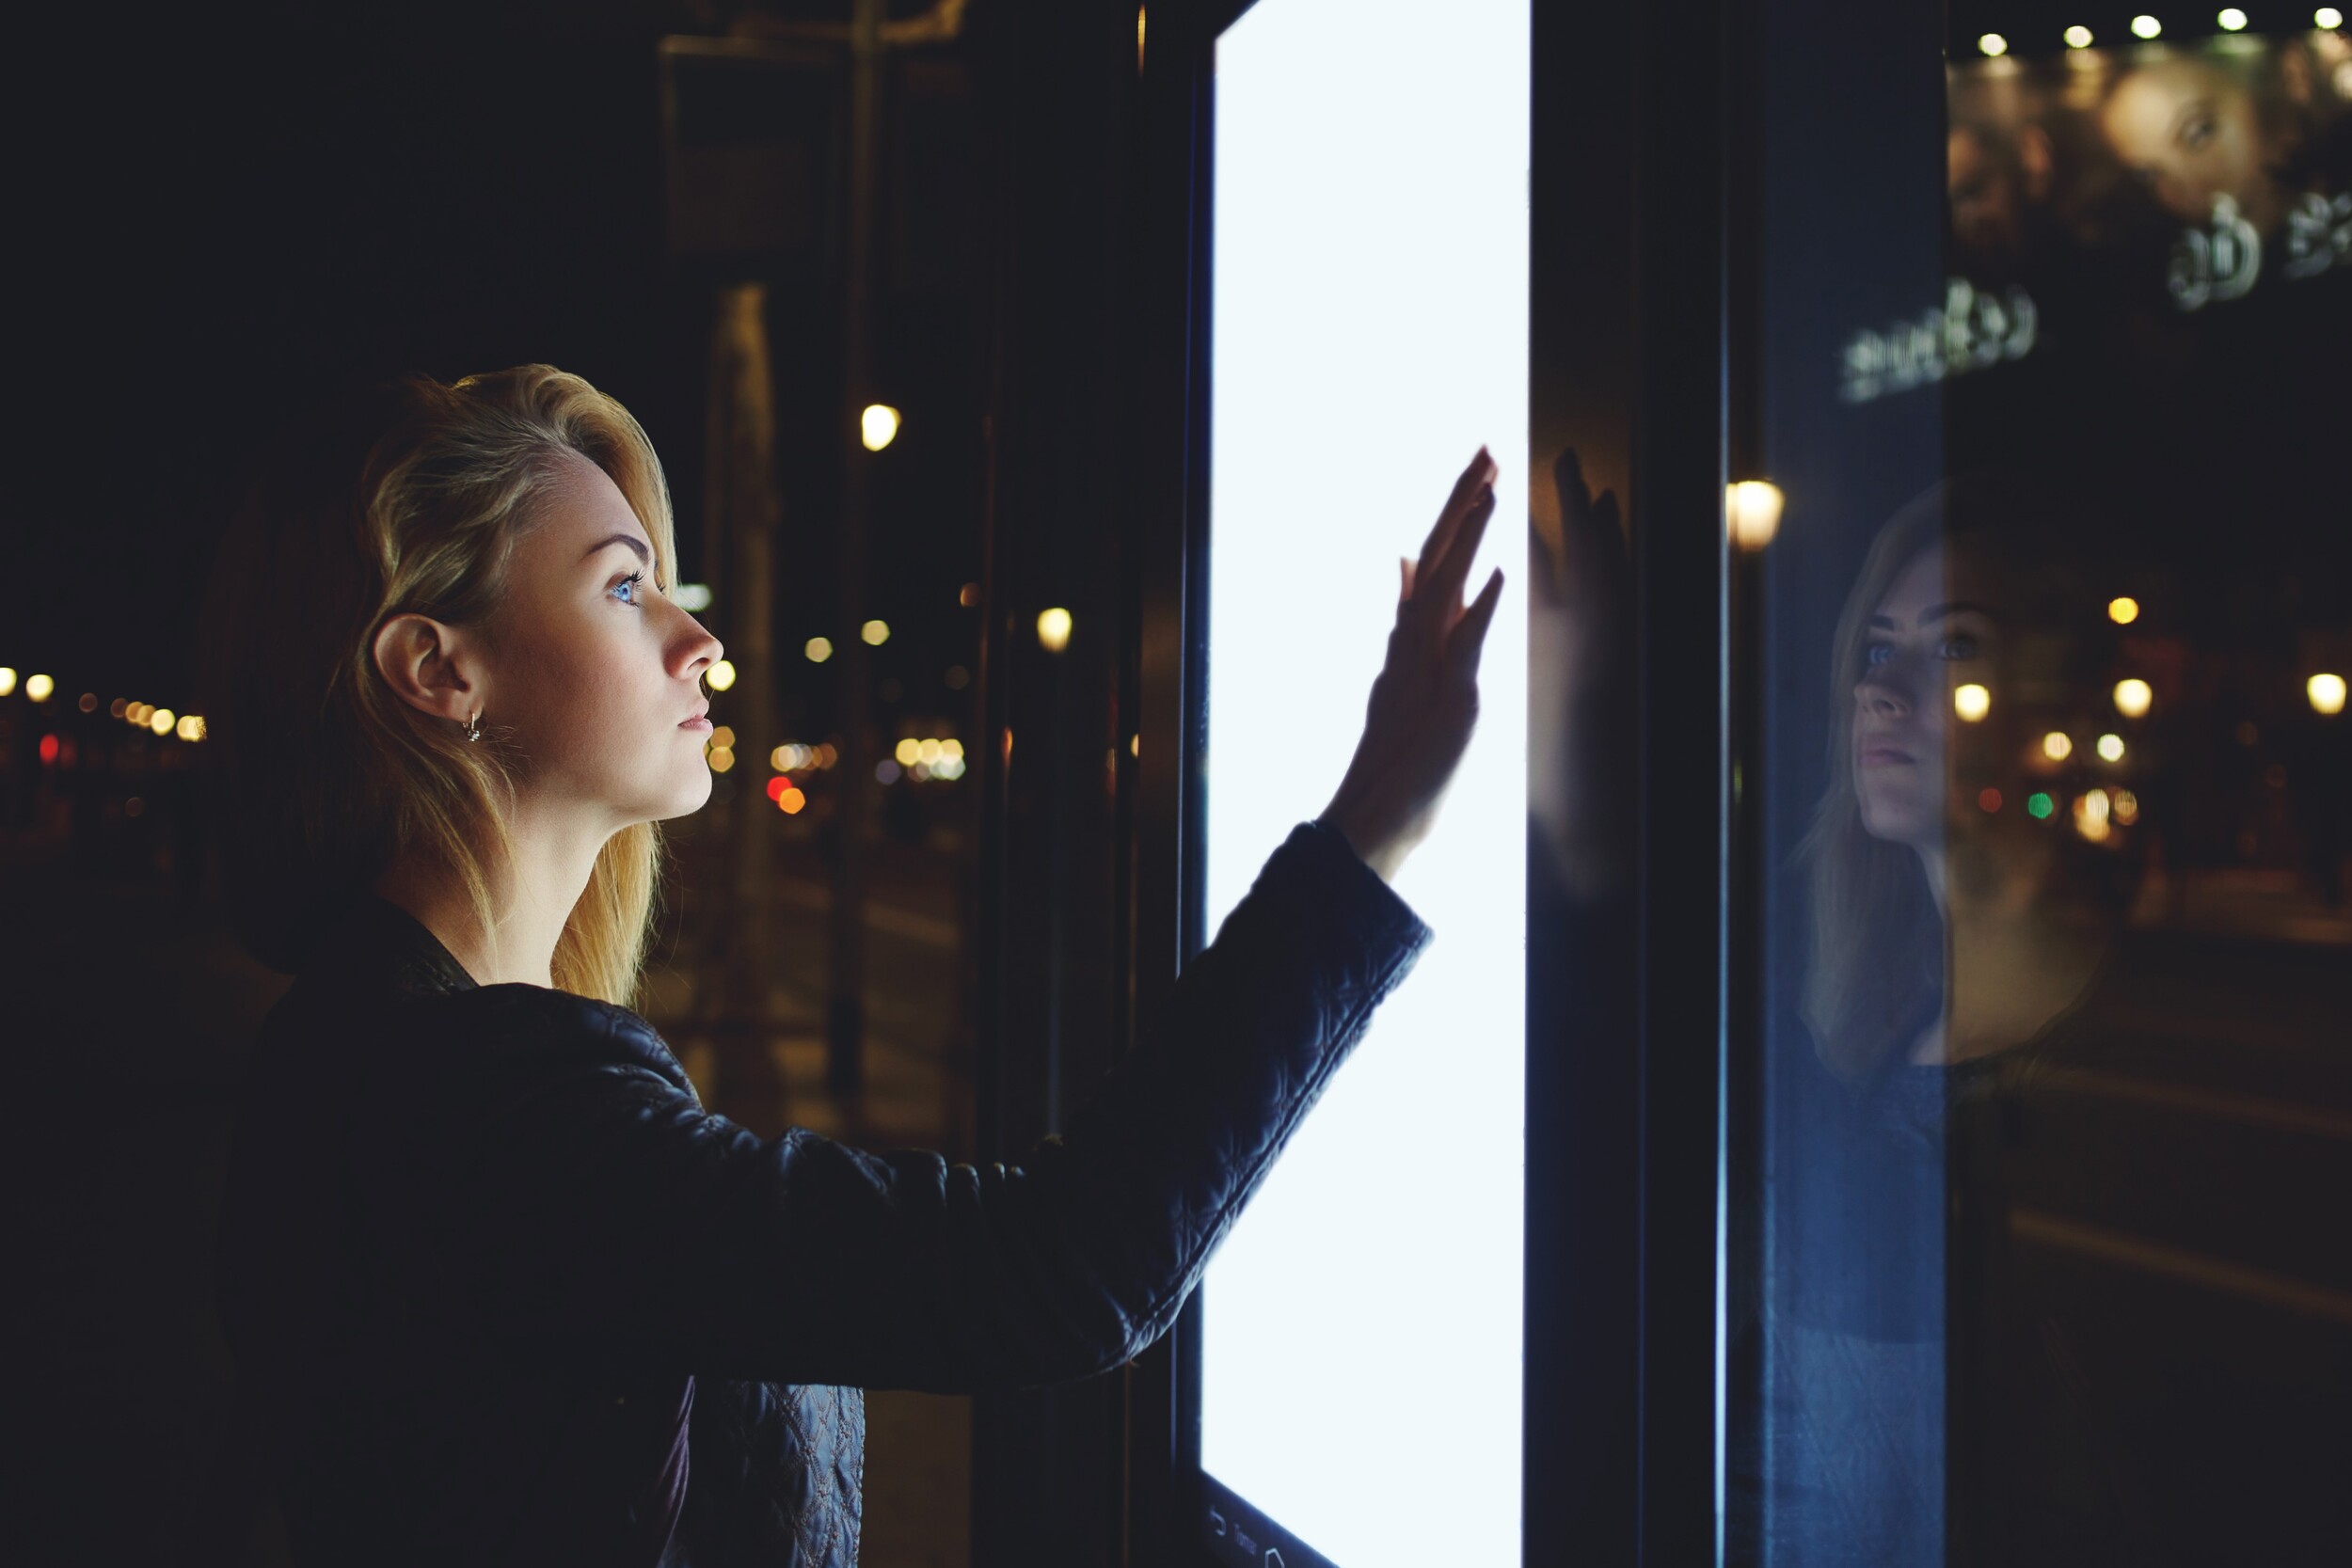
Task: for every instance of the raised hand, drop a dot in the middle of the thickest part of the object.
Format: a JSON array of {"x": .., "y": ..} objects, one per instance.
[{"x": 1424, "y": 702}]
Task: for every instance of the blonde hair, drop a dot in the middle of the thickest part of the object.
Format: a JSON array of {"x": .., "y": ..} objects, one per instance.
[
  {"x": 411, "y": 498},
  {"x": 1878, "y": 942}
]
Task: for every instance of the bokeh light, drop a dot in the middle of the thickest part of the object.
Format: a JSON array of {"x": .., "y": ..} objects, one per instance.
[
  {"x": 1751, "y": 511},
  {"x": 2133, "y": 697},
  {"x": 2123, "y": 612},
  {"x": 2231, "y": 20},
  {"x": 2056, "y": 746},
  {"x": 878, "y": 426},
  {"x": 874, "y": 633},
  {"x": 1993, "y": 45},
  {"x": 2111, "y": 748},
  {"x": 2039, "y": 806},
  {"x": 2078, "y": 37},
  {"x": 7, "y": 680},
  {"x": 2326, "y": 691},
  {"x": 2146, "y": 26},
  {"x": 818, "y": 649},
  {"x": 38, "y": 687},
  {"x": 720, "y": 675},
  {"x": 1053, "y": 631},
  {"x": 1971, "y": 702}
]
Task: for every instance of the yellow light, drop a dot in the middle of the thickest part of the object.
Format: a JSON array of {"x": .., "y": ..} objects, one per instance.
[
  {"x": 2126, "y": 807},
  {"x": 191, "y": 727},
  {"x": 2131, "y": 698},
  {"x": 1994, "y": 46},
  {"x": 1971, "y": 702},
  {"x": 1053, "y": 631},
  {"x": 2329, "y": 17},
  {"x": 721, "y": 759},
  {"x": 722, "y": 736},
  {"x": 2078, "y": 37},
  {"x": 2090, "y": 814},
  {"x": 968, "y": 595},
  {"x": 2325, "y": 692},
  {"x": 1134, "y": 745},
  {"x": 874, "y": 633},
  {"x": 2111, "y": 748},
  {"x": 953, "y": 747},
  {"x": 39, "y": 687},
  {"x": 2056, "y": 746},
  {"x": 118, "y": 707},
  {"x": 908, "y": 751},
  {"x": 693, "y": 598},
  {"x": 878, "y": 426},
  {"x": 2146, "y": 26},
  {"x": 7, "y": 680},
  {"x": 818, "y": 649},
  {"x": 2231, "y": 20},
  {"x": 930, "y": 751},
  {"x": 2123, "y": 612},
  {"x": 720, "y": 675},
  {"x": 1751, "y": 511},
  {"x": 162, "y": 719},
  {"x": 791, "y": 800},
  {"x": 1139, "y": 10}
]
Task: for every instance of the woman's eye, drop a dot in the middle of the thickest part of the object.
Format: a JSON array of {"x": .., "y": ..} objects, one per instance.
[
  {"x": 629, "y": 586},
  {"x": 1877, "y": 656},
  {"x": 1958, "y": 647}
]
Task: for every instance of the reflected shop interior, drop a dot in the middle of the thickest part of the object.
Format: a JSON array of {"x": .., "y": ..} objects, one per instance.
[{"x": 1879, "y": 1093}]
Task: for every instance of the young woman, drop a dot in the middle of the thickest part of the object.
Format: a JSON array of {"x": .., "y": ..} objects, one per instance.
[
  {"x": 1926, "y": 1406},
  {"x": 499, "y": 1287}
]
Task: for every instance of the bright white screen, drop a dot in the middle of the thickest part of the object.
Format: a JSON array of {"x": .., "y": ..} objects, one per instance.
[{"x": 1363, "y": 1336}]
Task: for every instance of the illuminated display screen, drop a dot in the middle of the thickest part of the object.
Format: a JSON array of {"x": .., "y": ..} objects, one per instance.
[{"x": 1370, "y": 311}]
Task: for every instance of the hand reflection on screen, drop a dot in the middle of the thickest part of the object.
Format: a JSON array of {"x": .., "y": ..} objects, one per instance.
[{"x": 1580, "y": 710}]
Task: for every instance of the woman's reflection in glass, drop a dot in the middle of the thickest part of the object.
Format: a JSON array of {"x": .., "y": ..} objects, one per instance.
[{"x": 1960, "y": 915}]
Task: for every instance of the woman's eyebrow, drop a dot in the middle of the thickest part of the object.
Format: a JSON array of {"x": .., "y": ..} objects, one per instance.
[
  {"x": 644, "y": 556},
  {"x": 1938, "y": 611}
]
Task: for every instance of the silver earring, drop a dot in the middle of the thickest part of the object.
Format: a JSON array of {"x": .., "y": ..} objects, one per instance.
[{"x": 473, "y": 727}]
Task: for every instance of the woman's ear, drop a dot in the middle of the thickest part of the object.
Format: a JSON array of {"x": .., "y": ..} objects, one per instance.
[{"x": 429, "y": 666}]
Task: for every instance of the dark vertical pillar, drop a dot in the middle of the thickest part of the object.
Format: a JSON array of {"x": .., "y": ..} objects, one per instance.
[{"x": 1060, "y": 84}]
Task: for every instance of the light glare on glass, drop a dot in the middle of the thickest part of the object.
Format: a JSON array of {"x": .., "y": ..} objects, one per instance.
[
  {"x": 1994, "y": 46},
  {"x": 2326, "y": 691},
  {"x": 2078, "y": 37},
  {"x": 720, "y": 675},
  {"x": 1971, "y": 702},
  {"x": 2132, "y": 697},
  {"x": 878, "y": 426},
  {"x": 1053, "y": 631},
  {"x": 1751, "y": 511},
  {"x": 2146, "y": 26}
]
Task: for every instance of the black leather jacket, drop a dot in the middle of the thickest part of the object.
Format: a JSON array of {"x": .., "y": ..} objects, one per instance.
[{"x": 500, "y": 1289}]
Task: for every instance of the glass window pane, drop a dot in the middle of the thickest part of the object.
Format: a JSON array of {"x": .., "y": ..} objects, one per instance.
[{"x": 2039, "y": 1163}]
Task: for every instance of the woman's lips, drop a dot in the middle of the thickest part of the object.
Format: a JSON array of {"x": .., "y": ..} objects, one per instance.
[
  {"x": 1887, "y": 756},
  {"x": 697, "y": 723}
]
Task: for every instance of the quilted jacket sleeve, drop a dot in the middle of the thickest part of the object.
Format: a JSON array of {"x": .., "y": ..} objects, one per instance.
[{"x": 539, "y": 1161}]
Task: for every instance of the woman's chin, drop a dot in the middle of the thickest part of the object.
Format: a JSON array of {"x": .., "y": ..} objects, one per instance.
[{"x": 1900, "y": 821}]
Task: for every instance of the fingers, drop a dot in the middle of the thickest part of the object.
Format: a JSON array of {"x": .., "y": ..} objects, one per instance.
[
  {"x": 1445, "y": 583},
  {"x": 1473, "y": 481},
  {"x": 1469, "y": 642}
]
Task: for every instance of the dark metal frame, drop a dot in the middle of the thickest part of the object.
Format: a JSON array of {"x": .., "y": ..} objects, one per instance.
[{"x": 1632, "y": 327}]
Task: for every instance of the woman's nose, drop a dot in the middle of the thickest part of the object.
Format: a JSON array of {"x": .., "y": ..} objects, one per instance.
[
  {"x": 1883, "y": 693},
  {"x": 699, "y": 649}
]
